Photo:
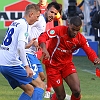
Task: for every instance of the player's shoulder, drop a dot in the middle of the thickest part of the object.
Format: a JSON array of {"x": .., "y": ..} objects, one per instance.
[
  {"x": 22, "y": 22},
  {"x": 42, "y": 17},
  {"x": 80, "y": 36},
  {"x": 17, "y": 23},
  {"x": 53, "y": 32},
  {"x": 41, "y": 21}
]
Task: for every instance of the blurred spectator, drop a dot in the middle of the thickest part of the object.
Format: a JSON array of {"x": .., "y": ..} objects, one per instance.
[
  {"x": 86, "y": 21},
  {"x": 93, "y": 11},
  {"x": 43, "y": 5},
  {"x": 96, "y": 24},
  {"x": 79, "y": 13}
]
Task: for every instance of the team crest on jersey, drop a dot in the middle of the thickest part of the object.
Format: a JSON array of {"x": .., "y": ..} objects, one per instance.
[
  {"x": 26, "y": 35},
  {"x": 52, "y": 32}
]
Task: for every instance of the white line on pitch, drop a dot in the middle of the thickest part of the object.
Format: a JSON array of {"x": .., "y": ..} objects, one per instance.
[{"x": 88, "y": 71}]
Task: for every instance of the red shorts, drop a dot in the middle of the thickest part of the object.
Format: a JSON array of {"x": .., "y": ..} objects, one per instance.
[{"x": 56, "y": 74}]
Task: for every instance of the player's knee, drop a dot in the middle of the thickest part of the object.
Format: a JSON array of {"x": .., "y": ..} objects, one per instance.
[
  {"x": 29, "y": 90},
  {"x": 76, "y": 92},
  {"x": 61, "y": 96}
]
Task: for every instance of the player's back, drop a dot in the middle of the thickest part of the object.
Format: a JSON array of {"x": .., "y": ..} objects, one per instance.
[{"x": 8, "y": 49}]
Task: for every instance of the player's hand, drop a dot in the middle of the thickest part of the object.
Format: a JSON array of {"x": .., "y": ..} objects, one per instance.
[
  {"x": 45, "y": 54},
  {"x": 36, "y": 45},
  {"x": 97, "y": 61},
  {"x": 29, "y": 71},
  {"x": 30, "y": 43}
]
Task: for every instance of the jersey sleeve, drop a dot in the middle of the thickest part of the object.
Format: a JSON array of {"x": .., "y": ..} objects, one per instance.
[
  {"x": 22, "y": 53},
  {"x": 51, "y": 33},
  {"x": 48, "y": 35},
  {"x": 88, "y": 50},
  {"x": 36, "y": 31},
  {"x": 23, "y": 32}
]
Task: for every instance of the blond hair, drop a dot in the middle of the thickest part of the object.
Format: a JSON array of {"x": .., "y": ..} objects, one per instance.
[{"x": 31, "y": 7}]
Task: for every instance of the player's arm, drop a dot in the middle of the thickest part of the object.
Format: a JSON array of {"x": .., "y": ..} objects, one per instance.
[
  {"x": 42, "y": 43},
  {"x": 92, "y": 56},
  {"x": 35, "y": 31},
  {"x": 22, "y": 54}
]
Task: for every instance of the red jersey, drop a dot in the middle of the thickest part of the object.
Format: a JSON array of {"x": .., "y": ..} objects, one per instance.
[
  {"x": 43, "y": 8},
  {"x": 61, "y": 46}
]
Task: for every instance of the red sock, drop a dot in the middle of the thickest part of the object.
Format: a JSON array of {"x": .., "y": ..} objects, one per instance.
[
  {"x": 48, "y": 85},
  {"x": 74, "y": 98},
  {"x": 54, "y": 97}
]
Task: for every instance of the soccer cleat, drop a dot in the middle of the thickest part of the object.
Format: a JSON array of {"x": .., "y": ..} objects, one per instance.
[
  {"x": 68, "y": 97},
  {"x": 47, "y": 94}
]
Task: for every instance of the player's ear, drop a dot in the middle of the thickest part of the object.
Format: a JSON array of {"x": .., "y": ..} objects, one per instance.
[{"x": 31, "y": 14}]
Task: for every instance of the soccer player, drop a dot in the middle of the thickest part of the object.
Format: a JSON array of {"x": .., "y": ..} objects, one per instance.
[
  {"x": 50, "y": 24},
  {"x": 13, "y": 47},
  {"x": 64, "y": 40},
  {"x": 35, "y": 30}
]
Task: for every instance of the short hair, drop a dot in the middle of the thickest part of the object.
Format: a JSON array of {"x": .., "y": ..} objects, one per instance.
[
  {"x": 30, "y": 7},
  {"x": 76, "y": 20},
  {"x": 53, "y": 4}
]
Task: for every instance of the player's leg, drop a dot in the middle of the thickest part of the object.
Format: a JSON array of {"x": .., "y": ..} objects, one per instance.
[
  {"x": 17, "y": 77},
  {"x": 42, "y": 76},
  {"x": 73, "y": 78},
  {"x": 70, "y": 76},
  {"x": 28, "y": 91},
  {"x": 56, "y": 81},
  {"x": 37, "y": 82},
  {"x": 59, "y": 93},
  {"x": 48, "y": 89},
  {"x": 39, "y": 89}
]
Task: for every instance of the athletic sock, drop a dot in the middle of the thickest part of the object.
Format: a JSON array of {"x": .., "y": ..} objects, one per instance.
[
  {"x": 37, "y": 94},
  {"x": 24, "y": 96},
  {"x": 54, "y": 97},
  {"x": 74, "y": 98}
]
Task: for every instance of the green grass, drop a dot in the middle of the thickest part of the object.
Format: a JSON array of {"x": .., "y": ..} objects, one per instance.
[
  {"x": 90, "y": 84},
  {"x": 2, "y": 33}
]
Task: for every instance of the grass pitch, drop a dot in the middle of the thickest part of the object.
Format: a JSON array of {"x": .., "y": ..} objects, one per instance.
[{"x": 90, "y": 84}]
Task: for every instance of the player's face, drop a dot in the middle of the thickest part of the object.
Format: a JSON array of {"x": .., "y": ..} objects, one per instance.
[
  {"x": 51, "y": 13},
  {"x": 73, "y": 30},
  {"x": 34, "y": 16}
]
